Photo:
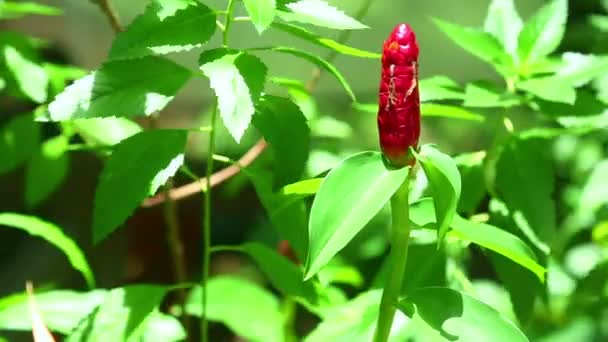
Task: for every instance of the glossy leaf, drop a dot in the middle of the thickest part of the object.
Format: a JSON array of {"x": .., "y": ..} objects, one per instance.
[
  {"x": 121, "y": 316},
  {"x": 129, "y": 175},
  {"x": 62, "y": 310},
  {"x": 318, "y": 61},
  {"x": 105, "y": 131},
  {"x": 261, "y": 12},
  {"x": 543, "y": 32},
  {"x": 504, "y": 23},
  {"x": 285, "y": 129},
  {"x": 237, "y": 80},
  {"x": 165, "y": 27},
  {"x": 456, "y": 315},
  {"x": 444, "y": 179},
  {"x": 46, "y": 170},
  {"x": 31, "y": 77},
  {"x": 120, "y": 88},
  {"x": 230, "y": 299},
  {"x": 19, "y": 139},
  {"x": 53, "y": 235},
  {"x": 319, "y": 13},
  {"x": 311, "y": 37},
  {"x": 447, "y": 111},
  {"x": 351, "y": 194}
]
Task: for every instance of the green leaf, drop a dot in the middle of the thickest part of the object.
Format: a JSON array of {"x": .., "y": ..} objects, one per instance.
[
  {"x": 443, "y": 176},
  {"x": 121, "y": 316},
  {"x": 311, "y": 37},
  {"x": 163, "y": 327},
  {"x": 543, "y": 32},
  {"x": 129, "y": 175},
  {"x": 319, "y": 13},
  {"x": 504, "y": 23},
  {"x": 53, "y": 235},
  {"x": 318, "y": 61},
  {"x": 456, "y": 315},
  {"x": 120, "y": 88},
  {"x": 19, "y": 139},
  {"x": 447, "y": 111},
  {"x": 600, "y": 22},
  {"x": 282, "y": 273},
  {"x": 579, "y": 69},
  {"x": 439, "y": 88},
  {"x": 479, "y": 43},
  {"x": 595, "y": 188},
  {"x": 285, "y": 129},
  {"x": 525, "y": 180},
  {"x": 62, "y": 310},
  {"x": 105, "y": 131},
  {"x": 551, "y": 88},
  {"x": 261, "y": 13},
  {"x": 351, "y": 194},
  {"x": 31, "y": 77},
  {"x": 487, "y": 95},
  {"x": 46, "y": 170},
  {"x": 165, "y": 27},
  {"x": 471, "y": 168},
  {"x": 13, "y": 10},
  {"x": 237, "y": 80},
  {"x": 247, "y": 309}
]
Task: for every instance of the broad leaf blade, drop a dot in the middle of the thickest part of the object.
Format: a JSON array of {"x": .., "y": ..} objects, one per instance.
[
  {"x": 165, "y": 27},
  {"x": 504, "y": 23},
  {"x": 447, "y": 111},
  {"x": 439, "y": 88},
  {"x": 120, "y": 88},
  {"x": 456, "y": 315},
  {"x": 105, "y": 131},
  {"x": 129, "y": 175},
  {"x": 285, "y": 129},
  {"x": 443, "y": 176},
  {"x": 351, "y": 194},
  {"x": 46, "y": 170},
  {"x": 551, "y": 88},
  {"x": 231, "y": 299},
  {"x": 543, "y": 32},
  {"x": 19, "y": 139},
  {"x": 237, "y": 80},
  {"x": 319, "y": 13},
  {"x": 55, "y": 236},
  {"x": 31, "y": 77},
  {"x": 261, "y": 12}
]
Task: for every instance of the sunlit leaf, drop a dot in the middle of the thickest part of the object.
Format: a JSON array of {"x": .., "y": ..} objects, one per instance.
[
  {"x": 261, "y": 12},
  {"x": 504, "y": 23},
  {"x": 13, "y": 9},
  {"x": 30, "y": 76},
  {"x": 319, "y": 13},
  {"x": 543, "y": 32}
]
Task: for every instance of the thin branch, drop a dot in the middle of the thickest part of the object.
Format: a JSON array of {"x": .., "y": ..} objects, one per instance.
[{"x": 108, "y": 10}]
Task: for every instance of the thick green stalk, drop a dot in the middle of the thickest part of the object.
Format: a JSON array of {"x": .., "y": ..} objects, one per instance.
[{"x": 398, "y": 257}]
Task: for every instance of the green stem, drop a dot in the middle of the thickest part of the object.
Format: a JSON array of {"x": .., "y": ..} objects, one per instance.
[
  {"x": 397, "y": 261},
  {"x": 228, "y": 22},
  {"x": 207, "y": 227}
]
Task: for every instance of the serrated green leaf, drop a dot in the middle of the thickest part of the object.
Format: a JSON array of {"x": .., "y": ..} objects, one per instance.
[
  {"x": 31, "y": 77},
  {"x": 320, "y": 62},
  {"x": 447, "y": 111},
  {"x": 481, "y": 44},
  {"x": 53, "y": 235},
  {"x": 121, "y": 316},
  {"x": 311, "y": 37},
  {"x": 443, "y": 176},
  {"x": 62, "y": 310},
  {"x": 504, "y": 23},
  {"x": 282, "y": 273},
  {"x": 165, "y": 27},
  {"x": 351, "y": 194},
  {"x": 13, "y": 10},
  {"x": 237, "y": 80},
  {"x": 230, "y": 299},
  {"x": 261, "y": 12},
  {"x": 46, "y": 170},
  {"x": 543, "y": 32},
  {"x": 105, "y": 131},
  {"x": 456, "y": 315},
  {"x": 120, "y": 88},
  {"x": 19, "y": 139},
  {"x": 439, "y": 88},
  {"x": 319, "y": 13},
  {"x": 285, "y": 129},
  {"x": 551, "y": 88},
  {"x": 129, "y": 175}
]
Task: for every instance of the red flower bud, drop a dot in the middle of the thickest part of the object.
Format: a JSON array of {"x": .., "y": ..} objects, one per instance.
[{"x": 399, "y": 103}]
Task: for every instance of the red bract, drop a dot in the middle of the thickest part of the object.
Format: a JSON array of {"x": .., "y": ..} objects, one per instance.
[{"x": 399, "y": 103}]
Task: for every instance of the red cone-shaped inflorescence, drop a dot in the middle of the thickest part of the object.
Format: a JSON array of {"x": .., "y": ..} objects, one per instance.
[{"x": 399, "y": 103}]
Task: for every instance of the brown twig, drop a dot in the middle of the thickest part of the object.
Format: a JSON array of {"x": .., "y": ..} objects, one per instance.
[{"x": 108, "y": 10}]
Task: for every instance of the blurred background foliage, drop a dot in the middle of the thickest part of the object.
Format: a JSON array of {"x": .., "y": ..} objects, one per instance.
[{"x": 82, "y": 37}]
